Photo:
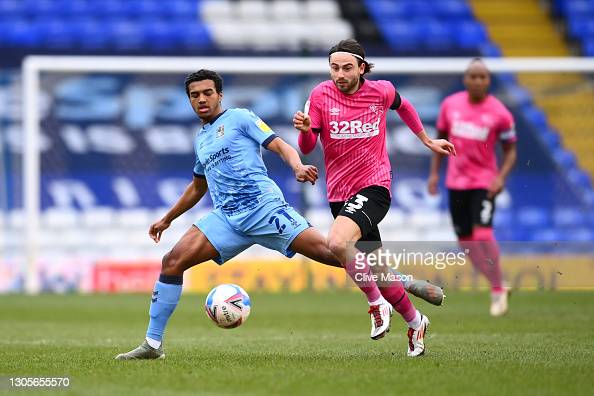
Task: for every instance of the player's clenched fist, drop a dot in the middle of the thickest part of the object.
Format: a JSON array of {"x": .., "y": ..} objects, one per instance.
[
  {"x": 306, "y": 173},
  {"x": 156, "y": 229},
  {"x": 301, "y": 121}
]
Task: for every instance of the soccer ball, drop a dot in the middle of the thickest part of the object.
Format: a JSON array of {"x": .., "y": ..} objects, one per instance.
[{"x": 228, "y": 306}]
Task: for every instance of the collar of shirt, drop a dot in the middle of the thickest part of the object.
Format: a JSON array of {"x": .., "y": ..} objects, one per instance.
[{"x": 208, "y": 124}]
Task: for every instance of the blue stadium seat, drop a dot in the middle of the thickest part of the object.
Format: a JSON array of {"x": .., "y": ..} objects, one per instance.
[
  {"x": 453, "y": 9},
  {"x": 402, "y": 36},
  {"x": 109, "y": 9},
  {"x": 580, "y": 178},
  {"x": 42, "y": 8},
  {"x": 588, "y": 46},
  {"x": 180, "y": 9},
  {"x": 470, "y": 34},
  {"x": 437, "y": 36},
  {"x": 144, "y": 8},
  {"x": 74, "y": 8},
  {"x": 12, "y": 8},
  {"x": 161, "y": 35},
  {"x": 491, "y": 50},
  {"x": 504, "y": 218},
  {"x": 537, "y": 117},
  {"x": 567, "y": 217},
  {"x": 20, "y": 33},
  {"x": 519, "y": 95},
  {"x": 564, "y": 158},
  {"x": 551, "y": 138},
  {"x": 421, "y": 9},
  {"x": 196, "y": 37},
  {"x": 509, "y": 80},
  {"x": 546, "y": 235},
  {"x": 589, "y": 200},
  {"x": 91, "y": 35},
  {"x": 126, "y": 36},
  {"x": 387, "y": 9},
  {"x": 576, "y": 7},
  {"x": 55, "y": 34},
  {"x": 580, "y": 234},
  {"x": 533, "y": 217},
  {"x": 571, "y": 235},
  {"x": 519, "y": 233},
  {"x": 580, "y": 27}
]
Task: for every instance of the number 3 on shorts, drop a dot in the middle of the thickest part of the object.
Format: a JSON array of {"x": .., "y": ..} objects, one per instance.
[{"x": 351, "y": 207}]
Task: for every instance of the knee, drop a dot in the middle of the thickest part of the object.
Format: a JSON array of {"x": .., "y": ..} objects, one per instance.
[{"x": 171, "y": 265}]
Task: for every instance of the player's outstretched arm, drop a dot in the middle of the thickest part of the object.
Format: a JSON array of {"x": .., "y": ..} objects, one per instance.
[
  {"x": 303, "y": 173},
  {"x": 409, "y": 115},
  {"x": 191, "y": 196}
]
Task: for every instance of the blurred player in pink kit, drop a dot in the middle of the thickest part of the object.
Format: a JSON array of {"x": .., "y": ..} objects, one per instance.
[
  {"x": 475, "y": 121},
  {"x": 348, "y": 113}
]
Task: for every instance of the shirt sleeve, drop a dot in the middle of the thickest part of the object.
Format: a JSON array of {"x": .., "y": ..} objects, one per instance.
[
  {"x": 442, "y": 124},
  {"x": 198, "y": 168},
  {"x": 397, "y": 101},
  {"x": 390, "y": 94},
  {"x": 253, "y": 127},
  {"x": 507, "y": 130},
  {"x": 313, "y": 109}
]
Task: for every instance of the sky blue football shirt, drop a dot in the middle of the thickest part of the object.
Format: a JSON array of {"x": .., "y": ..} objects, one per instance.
[{"x": 228, "y": 154}]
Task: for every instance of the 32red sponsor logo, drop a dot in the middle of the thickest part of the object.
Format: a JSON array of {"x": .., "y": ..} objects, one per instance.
[{"x": 354, "y": 129}]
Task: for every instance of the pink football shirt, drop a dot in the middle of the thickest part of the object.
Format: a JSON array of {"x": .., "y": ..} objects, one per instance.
[
  {"x": 474, "y": 129},
  {"x": 353, "y": 134}
]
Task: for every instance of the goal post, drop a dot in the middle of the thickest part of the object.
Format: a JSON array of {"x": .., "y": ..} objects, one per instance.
[{"x": 34, "y": 66}]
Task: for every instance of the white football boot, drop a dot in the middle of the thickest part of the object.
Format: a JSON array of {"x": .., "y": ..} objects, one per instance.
[
  {"x": 381, "y": 316},
  {"x": 499, "y": 303},
  {"x": 416, "y": 338}
]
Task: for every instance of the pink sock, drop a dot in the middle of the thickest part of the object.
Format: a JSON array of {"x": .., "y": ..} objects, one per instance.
[
  {"x": 360, "y": 273},
  {"x": 484, "y": 254},
  {"x": 396, "y": 295}
]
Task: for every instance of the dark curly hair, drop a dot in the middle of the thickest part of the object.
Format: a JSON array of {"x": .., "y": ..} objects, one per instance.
[
  {"x": 352, "y": 46},
  {"x": 204, "y": 74}
]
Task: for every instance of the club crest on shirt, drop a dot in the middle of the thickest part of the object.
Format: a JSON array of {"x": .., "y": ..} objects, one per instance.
[
  {"x": 334, "y": 111},
  {"x": 220, "y": 131},
  {"x": 377, "y": 109}
]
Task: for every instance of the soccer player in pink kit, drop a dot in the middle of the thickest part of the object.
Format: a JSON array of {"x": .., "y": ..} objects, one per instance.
[
  {"x": 349, "y": 112},
  {"x": 474, "y": 121}
]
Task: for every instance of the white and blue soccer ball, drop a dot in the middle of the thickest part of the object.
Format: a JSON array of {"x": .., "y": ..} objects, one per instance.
[{"x": 228, "y": 305}]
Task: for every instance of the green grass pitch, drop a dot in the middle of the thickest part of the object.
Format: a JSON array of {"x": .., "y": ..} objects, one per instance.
[{"x": 303, "y": 344}]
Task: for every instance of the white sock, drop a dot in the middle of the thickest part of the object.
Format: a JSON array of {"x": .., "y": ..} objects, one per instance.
[
  {"x": 378, "y": 301},
  {"x": 416, "y": 322},
  {"x": 153, "y": 343}
]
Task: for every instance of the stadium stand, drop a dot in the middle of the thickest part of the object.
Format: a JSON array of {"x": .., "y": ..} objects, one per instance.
[
  {"x": 430, "y": 27},
  {"x": 95, "y": 202}
]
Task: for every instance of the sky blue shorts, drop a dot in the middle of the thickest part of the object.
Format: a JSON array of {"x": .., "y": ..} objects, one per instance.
[{"x": 273, "y": 225}]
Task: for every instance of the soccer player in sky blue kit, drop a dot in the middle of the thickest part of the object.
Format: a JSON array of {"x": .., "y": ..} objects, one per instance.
[{"x": 249, "y": 206}]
